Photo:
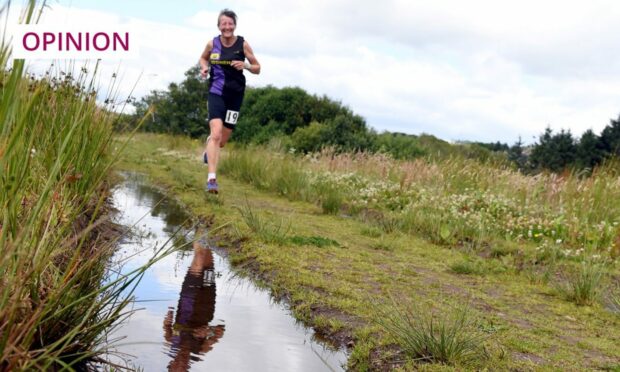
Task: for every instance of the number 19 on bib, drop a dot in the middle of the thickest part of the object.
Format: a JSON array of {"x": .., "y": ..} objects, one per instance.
[{"x": 231, "y": 117}]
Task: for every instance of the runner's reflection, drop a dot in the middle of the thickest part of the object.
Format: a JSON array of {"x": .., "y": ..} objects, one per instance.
[{"x": 188, "y": 334}]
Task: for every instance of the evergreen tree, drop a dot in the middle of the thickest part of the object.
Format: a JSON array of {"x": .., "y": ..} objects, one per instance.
[
  {"x": 610, "y": 138},
  {"x": 589, "y": 150},
  {"x": 493, "y": 146},
  {"x": 516, "y": 155},
  {"x": 554, "y": 151}
]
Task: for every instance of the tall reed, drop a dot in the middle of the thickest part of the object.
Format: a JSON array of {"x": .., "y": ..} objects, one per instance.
[{"x": 55, "y": 154}]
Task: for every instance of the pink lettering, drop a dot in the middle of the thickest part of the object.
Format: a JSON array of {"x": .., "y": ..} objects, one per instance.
[{"x": 25, "y": 43}]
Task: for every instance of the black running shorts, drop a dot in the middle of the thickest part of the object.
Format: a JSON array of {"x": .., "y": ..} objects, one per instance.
[{"x": 225, "y": 108}]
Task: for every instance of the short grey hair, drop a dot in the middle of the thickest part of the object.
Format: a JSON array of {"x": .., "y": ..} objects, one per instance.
[{"x": 228, "y": 13}]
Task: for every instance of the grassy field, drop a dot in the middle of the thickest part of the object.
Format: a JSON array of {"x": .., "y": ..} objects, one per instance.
[{"x": 415, "y": 265}]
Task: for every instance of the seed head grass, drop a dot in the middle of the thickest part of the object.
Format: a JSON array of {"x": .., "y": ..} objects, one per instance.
[
  {"x": 450, "y": 201},
  {"x": 57, "y": 298}
]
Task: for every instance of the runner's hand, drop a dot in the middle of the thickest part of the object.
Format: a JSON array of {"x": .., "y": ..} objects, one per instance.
[{"x": 237, "y": 64}]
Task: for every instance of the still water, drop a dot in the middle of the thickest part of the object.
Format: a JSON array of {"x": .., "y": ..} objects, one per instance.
[{"x": 194, "y": 312}]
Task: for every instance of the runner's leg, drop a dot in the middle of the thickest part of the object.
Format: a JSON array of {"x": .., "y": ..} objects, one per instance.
[
  {"x": 226, "y": 132},
  {"x": 214, "y": 144}
]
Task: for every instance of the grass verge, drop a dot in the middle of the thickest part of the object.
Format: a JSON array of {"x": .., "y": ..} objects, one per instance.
[{"x": 329, "y": 287}]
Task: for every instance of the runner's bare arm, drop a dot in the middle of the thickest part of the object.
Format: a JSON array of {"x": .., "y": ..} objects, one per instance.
[
  {"x": 254, "y": 66},
  {"x": 204, "y": 59}
]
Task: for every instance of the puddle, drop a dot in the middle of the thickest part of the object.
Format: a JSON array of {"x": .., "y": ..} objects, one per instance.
[{"x": 194, "y": 312}]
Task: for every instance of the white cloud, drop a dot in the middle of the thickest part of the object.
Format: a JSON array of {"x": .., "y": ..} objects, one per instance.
[
  {"x": 482, "y": 70},
  {"x": 476, "y": 70}
]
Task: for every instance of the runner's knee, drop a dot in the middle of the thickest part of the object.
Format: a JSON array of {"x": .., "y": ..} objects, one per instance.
[{"x": 216, "y": 137}]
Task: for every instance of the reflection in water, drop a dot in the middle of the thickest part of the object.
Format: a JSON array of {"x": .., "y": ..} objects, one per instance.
[
  {"x": 196, "y": 334},
  {"x": 190, "y": 333},
  {"x": 161, "y": 207},
  {"x": 169, "y": 211}
]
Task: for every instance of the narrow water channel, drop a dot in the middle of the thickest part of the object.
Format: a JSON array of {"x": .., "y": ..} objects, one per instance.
[{"x": 195, "y": 313}]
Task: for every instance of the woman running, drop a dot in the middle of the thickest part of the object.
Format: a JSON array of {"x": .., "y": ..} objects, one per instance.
[{"x": 225, "y": 58}]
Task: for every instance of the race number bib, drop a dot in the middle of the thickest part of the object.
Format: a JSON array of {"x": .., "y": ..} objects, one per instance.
[{"x": 231, "y": 117}]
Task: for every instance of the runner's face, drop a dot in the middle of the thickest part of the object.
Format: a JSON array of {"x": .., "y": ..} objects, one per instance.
[{"x": 226, "y": 26}]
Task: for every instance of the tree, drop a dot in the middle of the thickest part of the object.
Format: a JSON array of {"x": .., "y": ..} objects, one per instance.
[
  {"x": 516, "y": 155},
  {"x": 311, "y": 138},
  {"x": 348, "y": 132},
  {"x": 493, "y": 146},
  {"x": 610, "y": 138},
  {"x": 590, "y": 151},
  {"x": 399, "y": 145},
  {"x": 182, "y": 109},
  {"x": 554, "y": 151}
]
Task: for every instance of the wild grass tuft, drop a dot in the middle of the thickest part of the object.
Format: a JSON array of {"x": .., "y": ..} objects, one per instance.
[
  {"x": 468, "y": 267},
  {"x": 452, "y": 337},
  {"x": 502, "y": 249},
  {"x": 289, "y": 180},
  {"x": 384, "y": 243},
  {"x": 614, "y": 299},
  {"x": 268, "y": 231},
  {"x": 329, "y": 196},
  {"x": 616, "y": 303},
  {"x": 388, "y": 223},
  {"x": 371, "y": 232},
  {"x": 584, "y": 286},
  {"x": 478, "y": 266}
]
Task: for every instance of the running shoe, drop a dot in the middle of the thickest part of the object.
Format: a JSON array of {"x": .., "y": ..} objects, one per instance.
[{"x": 212, "y": 186}]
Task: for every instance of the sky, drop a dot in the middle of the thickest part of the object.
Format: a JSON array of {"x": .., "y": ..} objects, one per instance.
[{"x": 463, "y": 71}]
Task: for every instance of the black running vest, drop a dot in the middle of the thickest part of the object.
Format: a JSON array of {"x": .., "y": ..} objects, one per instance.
[{"x": 224, "y": 79}]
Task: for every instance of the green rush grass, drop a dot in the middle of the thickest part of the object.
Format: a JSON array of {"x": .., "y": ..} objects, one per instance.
[
  {"x": 452, "y": 337},
  {"x": 56, "y": 151},
  {"x": 585, "y": 285}
]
